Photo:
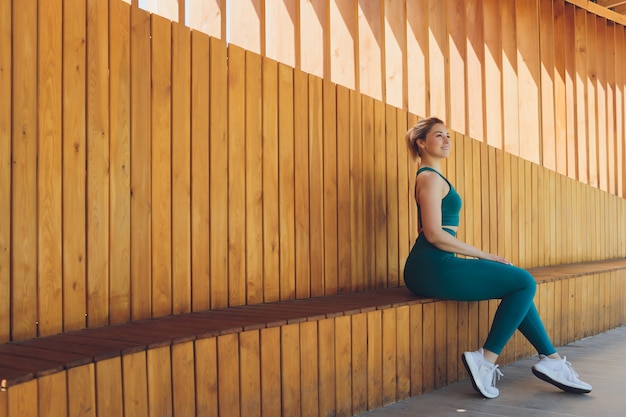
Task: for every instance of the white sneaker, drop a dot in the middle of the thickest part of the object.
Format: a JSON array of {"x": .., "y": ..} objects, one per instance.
[
  {"x": 483, "y": 374},
  {"x": 560, "y": 373}
]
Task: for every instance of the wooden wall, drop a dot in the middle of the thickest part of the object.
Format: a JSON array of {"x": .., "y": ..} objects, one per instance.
[
  {"x": 540, "y": 79},
  {"x": 148, "y": 169}
]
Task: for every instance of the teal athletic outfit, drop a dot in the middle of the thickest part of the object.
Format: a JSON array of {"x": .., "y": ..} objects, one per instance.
[{"x": 432, "y": 272}]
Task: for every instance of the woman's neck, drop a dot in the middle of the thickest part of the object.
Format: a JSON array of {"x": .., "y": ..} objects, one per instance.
[{"x": 434, "y": 163}]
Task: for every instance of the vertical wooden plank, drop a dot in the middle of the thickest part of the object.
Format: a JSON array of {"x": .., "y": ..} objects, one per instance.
[
  {"x": 250, "y": 369},
  {"x": 429, "y": 365},
  {"x": 611, "y": 123},
  {"x": 560, "y": 82},
  {"x": 331, "y": 178},
  {"x": 374, "y": 360},
  {"x": 342, "y": 17},
  {"x": 417, "y": 44},
  {"x": 206, "y": 377},
  {"x": 440, "y": 341},
  {"x": 548, "y": 83},
  {"x": 290, "y": 369},
  {"x": 620, "y": 141},
  {"x": 246, "y": 25},
  {"x": 286, "y": 174},
  {"x": 301, "y": 184},
  {"x": 359, "y": 363},
  {"x": 81, "y": 395},
  {"x": 591, "y": 100},
  {"x": 271, "y": 200},
  {"x": 510, "y": 95},
  {"x": 20, "y": 399},
  {"x": 98, "y": 180},
  {"x": 309, "y": 365},
  {"x": 370, "y": 48},
  {"x": 24, "y": 172},
  {"x": 581, "y": 86},
  {"x": 140, "y": 180},
  {"x": 109, "y": 387},
  {"x": 570, "y": 89},
  {"x": 327, "y": 369},
  {"x": 394, "y": 262},
  {"x": 479, "y": 199},
  {"x": 236, "y": 166},
  {"x": 254, "y": 179},
  {"x": 416, "y": 342},
  {"x": 437, "y": 56},
  {"x": 394, "y": 89},
  {"x": 316, "y": 186},
  {"x": 380, "y": 198},
  {"x": 515, "y": 211},
  {"x": 52, "y": 395},
  {"x": 343, "y": 369},
  {"x": 119, "y": 61},
  {"x": 604, "y": 109},
  {"x": 183, "y": 378},
  {"x": 344, "y": 213},
  {"x": 135, "y": 375},
  {"x": 475, "y": 67},
  {"x": 368, "y": 184},
  {"x": 389, "y": 335},
  {"x": 493, "y": 71},
  {"x": 228, "y": 388},
  {"x": 462, "y": 334},
  {"x": 452, "y": 342},
  {"x": 49, "y": 167},
  {"x": 218, "y": 171},
  {"x": 528, "y": 72},
  {"x": 161, "y": 54},
  {"x": 456, "y": 55},
  {"x": 405, "y": 202},
  {"x": 403, "y": 352},
  {"x": 281, "y": 43},
  {"x": 200, "y": 231},
  {"x": 356, "y": 194},
  {"x": 159, "y": 367},
  {"x": 313, "y": 35},
  {"x": 271, "y": 383},
  {"x": 181, "y": 169},
  {"x": 6, "y": 85},
  {"x": 459, "y": 163}
]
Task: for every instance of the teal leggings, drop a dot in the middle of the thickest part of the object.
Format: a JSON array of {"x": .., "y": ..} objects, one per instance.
[{"x": 432, "y": 272}]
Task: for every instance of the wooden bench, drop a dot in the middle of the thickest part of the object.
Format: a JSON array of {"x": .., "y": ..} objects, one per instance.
[{"x": 343, "y": 353}]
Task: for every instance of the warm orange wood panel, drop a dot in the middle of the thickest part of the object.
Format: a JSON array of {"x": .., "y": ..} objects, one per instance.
[
  {"x": 134, "y": 370},
  {"x": 218, "y": 174},
  {"x": 303, "y": 202},
  {"x": 290, "y": 369},
  {"x": 119, "y": 63},
  {"x": 270, "y": 224},
  {"x": 52, "y": 391},
  {"x": 343, "y": 364},
  {"x": 316, "y": 186},
  {"x": 181, "y": 170},
  {"x": 159, "y": 377},
  {"x": 370, "y": 16},
  {"x": 24, "y": 172},
  {"x": 456, "y": 53},
  {"x": 183, "y": 377},
  {"x": 235, "y": 279},
  {"x": 270, "y": 359},
  {"x": 81, "y": 395},
  {"x": 98, "y": 177},
  {"x": 327, "y": 367},
  {"x": 228, "y": 380},
  {"x": 250, "y": 379},
  {"x": 206, "y": 377},
  {"x": 140, "y": 165},
  {"x": 309, "y": 368},
  {"x": 5, "y": 172},
  {"x": 109, "y": 387},
  {"x": 254, "y": 179},
  {"x": 49, "y": 161},
  {"x": 161, "y": 165},
  {"x": 199, "y": 148}
]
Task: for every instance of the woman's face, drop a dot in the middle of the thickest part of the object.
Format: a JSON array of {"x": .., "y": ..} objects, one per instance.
[{"x": 437, "y": 142}]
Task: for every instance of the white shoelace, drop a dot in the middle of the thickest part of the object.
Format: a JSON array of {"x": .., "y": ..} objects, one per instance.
[
  {"x": 569, "y": 368},
  {"x": 496, "y": 374}
]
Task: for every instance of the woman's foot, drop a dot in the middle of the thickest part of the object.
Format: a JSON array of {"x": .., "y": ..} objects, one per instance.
[
  {"x": 482, "y": 373},
  {"x": 560, "y": 373}
]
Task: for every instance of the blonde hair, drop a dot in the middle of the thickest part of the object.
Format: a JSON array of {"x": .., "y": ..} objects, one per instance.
[{"x": 419, "y": 131}]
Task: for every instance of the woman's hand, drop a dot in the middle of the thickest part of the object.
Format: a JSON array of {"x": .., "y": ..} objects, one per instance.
[{"x": 495, "y": 258}]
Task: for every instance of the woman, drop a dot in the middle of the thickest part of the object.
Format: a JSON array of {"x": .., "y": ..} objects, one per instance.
[{"x": 432, "y": 269}]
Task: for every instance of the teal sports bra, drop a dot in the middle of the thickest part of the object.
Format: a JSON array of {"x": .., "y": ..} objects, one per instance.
[{"x": 450, "y": 204}]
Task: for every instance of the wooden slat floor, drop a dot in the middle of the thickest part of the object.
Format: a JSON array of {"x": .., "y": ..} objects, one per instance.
[{"x": 598, "y": 359}]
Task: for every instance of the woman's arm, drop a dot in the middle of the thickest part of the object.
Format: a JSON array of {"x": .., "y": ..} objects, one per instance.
[{"x": 430, "y": 190}]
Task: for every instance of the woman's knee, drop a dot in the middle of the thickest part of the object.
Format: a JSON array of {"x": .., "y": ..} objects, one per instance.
[{"x": 527, "y": 280}]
